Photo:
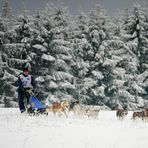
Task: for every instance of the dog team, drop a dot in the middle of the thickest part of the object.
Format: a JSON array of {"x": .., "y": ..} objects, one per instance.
[
  {"x": 122, "y": 113},
  {"x": 64, "y": 108}
]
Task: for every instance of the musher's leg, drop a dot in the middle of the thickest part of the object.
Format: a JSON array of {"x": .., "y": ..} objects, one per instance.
[{"x": 21, "y": 101}]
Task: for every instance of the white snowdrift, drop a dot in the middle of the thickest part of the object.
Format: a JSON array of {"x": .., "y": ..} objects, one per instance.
[{"x": 22, "y": 131}]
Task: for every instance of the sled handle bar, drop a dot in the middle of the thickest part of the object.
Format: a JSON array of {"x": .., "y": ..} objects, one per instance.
[{"x": 30, "y": 92}]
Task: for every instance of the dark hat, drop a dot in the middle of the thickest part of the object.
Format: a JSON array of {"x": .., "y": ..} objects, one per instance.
[{"x": 25, "y": 69}]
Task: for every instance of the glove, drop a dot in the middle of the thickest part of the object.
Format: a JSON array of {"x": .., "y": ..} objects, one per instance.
[{"x": 28, "y": 91}]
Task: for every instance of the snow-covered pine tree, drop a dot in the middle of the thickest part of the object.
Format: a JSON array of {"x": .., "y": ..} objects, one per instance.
[
  {"x": 134, "y": 28},
  {"x": 41, "y": 59},
  {"x": 90, "y": 34},
  {"x": 7, "y": 90},
  {"x": 116, "y": 68},
  {"x": 6, "y": 19},
  {"x": 6, "y": 9},
  {"x": 2, "y": 32},
  {"x": 15, "y": 55},
  {"x": 61, "y": 50},
  {"x": 79, "y": 66},
  {"x": 54, "y": 53}
]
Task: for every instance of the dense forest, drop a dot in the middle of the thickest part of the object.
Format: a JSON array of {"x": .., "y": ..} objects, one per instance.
[{"x": 92, "y": 57}]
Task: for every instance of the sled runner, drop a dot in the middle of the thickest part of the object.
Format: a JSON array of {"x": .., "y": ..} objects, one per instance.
[{"x": 34, "y": 107}]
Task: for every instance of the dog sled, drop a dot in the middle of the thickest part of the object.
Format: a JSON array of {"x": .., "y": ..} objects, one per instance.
[{"x": 34, "y": 106}]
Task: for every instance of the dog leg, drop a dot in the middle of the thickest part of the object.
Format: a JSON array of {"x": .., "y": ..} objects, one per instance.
[{"x": 65, "y": 114}]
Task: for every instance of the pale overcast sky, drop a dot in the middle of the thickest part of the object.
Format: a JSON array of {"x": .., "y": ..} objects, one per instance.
[{"x": 73, "y": 5}]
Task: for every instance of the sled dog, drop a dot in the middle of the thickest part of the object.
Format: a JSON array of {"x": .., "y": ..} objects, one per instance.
[
  {"x": 145, "y": 115},
  {"x": 137, "y": 115},
  {"x": 60, "y": 107},
  {"x": 121, "y": 114},
  {"x": 89, "y": 111},
  {"x": 75, "y": 107},
  {"x": 93, "y": 112}
]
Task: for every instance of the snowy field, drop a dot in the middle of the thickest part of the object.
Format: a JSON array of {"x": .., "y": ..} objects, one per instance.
[{"x": 23, "y": 131}]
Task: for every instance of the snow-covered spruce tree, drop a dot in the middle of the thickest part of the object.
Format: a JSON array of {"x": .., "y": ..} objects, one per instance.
[
  {"x": 134, "y": 28},
  {"x": 7, "y": 19},
  {"x": 2, "y": 32},
  {"x": 7, "y": 90},
  {"x": 6, "y": 9},
  {"x": 79, "y": 43},
  {"x": 15, "y": 54},
  {"x": 90, "y": 34},
  {"x": 117, "y": 68},
  {"x": 39, "y": 51},
  {"x": 54, "y": 53}
]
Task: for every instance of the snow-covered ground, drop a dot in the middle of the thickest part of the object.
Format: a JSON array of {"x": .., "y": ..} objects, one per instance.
[{"x": 22, "y": 131}]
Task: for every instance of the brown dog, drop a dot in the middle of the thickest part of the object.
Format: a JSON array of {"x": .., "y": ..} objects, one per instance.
[
  {"x": 145, "y": 115},
  {"x": 60, "y": 107},
  {"x": 121, "y": 114},
  {"x": 137, "y": 115}
]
